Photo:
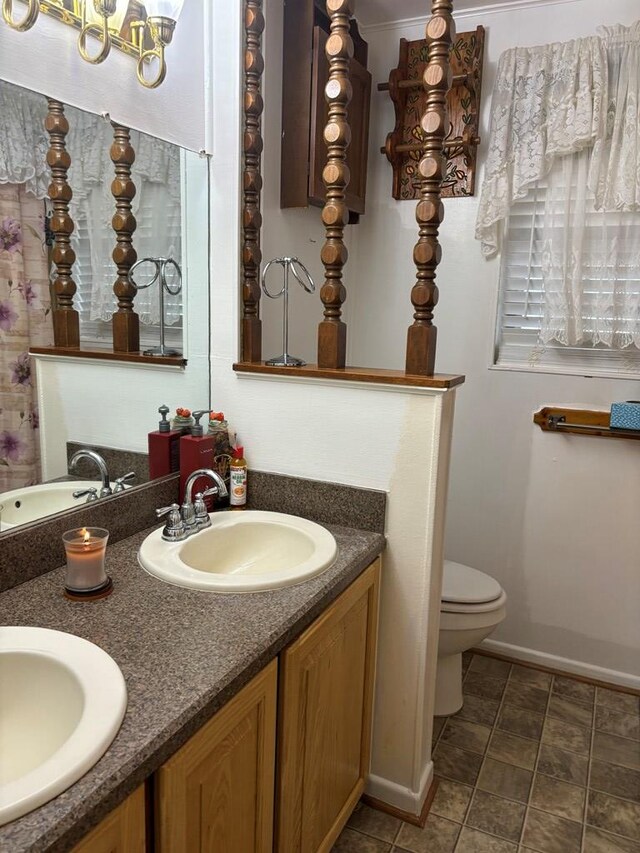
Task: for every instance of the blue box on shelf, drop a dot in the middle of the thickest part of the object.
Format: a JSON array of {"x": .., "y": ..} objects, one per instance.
[{"x": 625, "y": 415}]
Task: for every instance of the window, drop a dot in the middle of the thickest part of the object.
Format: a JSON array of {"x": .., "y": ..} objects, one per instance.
[{"x": 569, "y": 280}]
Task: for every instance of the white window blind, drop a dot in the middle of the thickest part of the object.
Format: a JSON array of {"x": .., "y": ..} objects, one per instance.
[{"x": 609, "y": 287}]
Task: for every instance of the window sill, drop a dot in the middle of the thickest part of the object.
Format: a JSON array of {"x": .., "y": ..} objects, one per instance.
[
  {"x": 131, "y": 359},
  {"x": 554, "y": 370}
]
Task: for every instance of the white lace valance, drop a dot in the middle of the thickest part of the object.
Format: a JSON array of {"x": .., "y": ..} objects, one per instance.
[
  {"x": 23, "y": 139},
  {"x": 548, "y": 101}
]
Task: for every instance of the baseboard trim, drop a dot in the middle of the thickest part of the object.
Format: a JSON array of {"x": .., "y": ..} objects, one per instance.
[
  {"x": 407, "y": 817},
  {"x": 407, "y": 804},
  {"x": 562, "y": 666}
]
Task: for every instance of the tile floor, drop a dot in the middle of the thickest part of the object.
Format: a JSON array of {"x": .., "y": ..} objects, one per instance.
[{"x": 532, "y": 762}]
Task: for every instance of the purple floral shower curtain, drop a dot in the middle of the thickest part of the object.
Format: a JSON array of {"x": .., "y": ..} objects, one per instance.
[{"x": 25, "y": 321}]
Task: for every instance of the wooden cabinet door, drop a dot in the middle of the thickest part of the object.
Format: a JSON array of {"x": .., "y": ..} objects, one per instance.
[
  {"x": 122, "y": 831},
  {"x": 324, "y": 724},
  {"x": 215, "y": 795}
]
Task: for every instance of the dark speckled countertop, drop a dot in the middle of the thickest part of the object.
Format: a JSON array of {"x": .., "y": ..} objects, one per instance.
[{"x": 183, "y": 653}]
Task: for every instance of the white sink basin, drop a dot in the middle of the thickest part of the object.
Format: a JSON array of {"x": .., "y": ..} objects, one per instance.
[
  {"x": 242, "y": 552},
  {"x": 62, "y": 700},
  {"x": 32, "y": 502}
]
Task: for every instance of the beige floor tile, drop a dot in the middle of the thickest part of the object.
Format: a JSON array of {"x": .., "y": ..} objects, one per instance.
[
  {"x": 598, "y": 841},
  {"x": 615, "y": 780},
  {"x": 437, "y": 836},
  {"x": 535, "y": 677},
  {"x": 616, "y": 750},
  {"x": 618, "y": 701},
  {"x": 564, "y": 765},
  {"x": 517, "y": 721},
  {"x": 473, "y": 841},
  {"x": 496, "y": 816},
  {"x": 451, "y": 800},
  {"x": 570, "y": 712},
  {"x": 550, "y": 834},
  {"x": 617, "y": 723},
  {"x": 571, "y": 689},
  {"x": 466, "y": 735},
  {"x": 457, "y": 764},
  {"x": 490, "y": 666},
  {"x": 566, "y": 736},
  {"x": 614, "y": 815},
  {"x": 351, "y": 841},
  {"x": 505, "y": 780},
  {"x": 373, "y": 822},
  {"x": 558, "y": 798},
  {"x": 513, "y": 750}
]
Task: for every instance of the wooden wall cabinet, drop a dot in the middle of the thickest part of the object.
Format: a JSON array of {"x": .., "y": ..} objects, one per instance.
[
  {"x": 304, "y": 110},
  {"x": 324, "y": 719},
  {"x": 223, "y": 790}
]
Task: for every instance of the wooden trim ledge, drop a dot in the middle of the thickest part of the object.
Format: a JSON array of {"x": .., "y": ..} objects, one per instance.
[
  {"x": 355, "y": 374},
  {"x": 109, "y": 355}
]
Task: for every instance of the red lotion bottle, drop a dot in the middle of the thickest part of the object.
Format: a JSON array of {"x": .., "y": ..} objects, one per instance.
[
  {"x": 164, "y": 448},
  {"x": 196, "y": 451}
]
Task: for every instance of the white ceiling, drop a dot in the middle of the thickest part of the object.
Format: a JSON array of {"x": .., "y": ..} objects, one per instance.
[{"x": 379, "y": 11}]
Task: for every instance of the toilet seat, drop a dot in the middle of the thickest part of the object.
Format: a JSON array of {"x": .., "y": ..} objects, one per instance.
[{"x": 467, "y": 590}]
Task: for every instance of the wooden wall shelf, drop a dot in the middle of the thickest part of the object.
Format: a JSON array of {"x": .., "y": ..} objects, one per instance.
[
  {"x": 110, "y": 355},
  {"x": 355, "y": 374},
  {"x": 580, "y": 422}
]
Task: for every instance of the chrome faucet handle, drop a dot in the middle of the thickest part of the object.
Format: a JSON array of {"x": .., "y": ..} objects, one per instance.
[
  {"x": 174, "y": 529},
  {"x": 91, "y": 494},
  {"x": 127, "y": 478},
  {"x": 202, "y": 513}
]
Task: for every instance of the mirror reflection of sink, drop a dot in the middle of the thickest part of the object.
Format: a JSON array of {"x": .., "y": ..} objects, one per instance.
[
  {"x": 62, "y": 700},
  {"x": 33, "y": 502},
  {"x": 242, "y": 552}
]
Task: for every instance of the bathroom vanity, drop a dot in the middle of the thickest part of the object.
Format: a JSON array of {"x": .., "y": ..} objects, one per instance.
[{"x": 248, "y": 716}]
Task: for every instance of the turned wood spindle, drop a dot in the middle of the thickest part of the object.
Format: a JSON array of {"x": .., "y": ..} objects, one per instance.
[
  {"x": 126, "y": 324},
  {"x": 421, "y": 337},
  {"x": 332, "y": 332},
  {"x": 66, "y": 325},
  {"x": 252, "y": 182}
]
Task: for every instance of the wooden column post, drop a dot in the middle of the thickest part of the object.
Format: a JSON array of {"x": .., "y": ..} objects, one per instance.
[
  {"x": 421, "y": 337},
  {"x": 332, "y": 332},
  {"x": 66, "y": 326},
  {"x": 252, "y": 182},
  {"x": 126, "y": 325}
]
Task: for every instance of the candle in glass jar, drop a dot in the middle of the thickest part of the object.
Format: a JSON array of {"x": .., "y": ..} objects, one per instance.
[{"x": 86, "y": 550}]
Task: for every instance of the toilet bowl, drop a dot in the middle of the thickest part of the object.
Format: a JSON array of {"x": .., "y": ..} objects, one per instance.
[{"x": 473, "y": 605}]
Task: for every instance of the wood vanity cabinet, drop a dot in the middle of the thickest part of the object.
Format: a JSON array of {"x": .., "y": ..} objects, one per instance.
[
  {"x": 324, "y": 719},
  {"x": 122, "y": 831},
  {"x": 227, "y": 791}
]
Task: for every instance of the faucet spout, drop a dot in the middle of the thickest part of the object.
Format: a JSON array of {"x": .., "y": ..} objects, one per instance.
[
  {"x": 100, "y": 464},
  {"x": 204, "y": 472}
]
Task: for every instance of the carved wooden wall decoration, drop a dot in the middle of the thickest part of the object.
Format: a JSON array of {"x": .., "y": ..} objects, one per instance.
[
  {"x": 126, "y": 323},
  {"x": 252, "y": 182},
  {"x": 405, "y": 144},
  {"x": 66, "y": 325},
  {"x": 332, "y": 331},
  {"x": 421, "y": 337}
]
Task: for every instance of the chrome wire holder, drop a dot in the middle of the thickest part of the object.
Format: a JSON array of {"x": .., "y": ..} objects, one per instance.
[
  {"x": 161, "y": 265},
  {"x": 306, "y": 282}
]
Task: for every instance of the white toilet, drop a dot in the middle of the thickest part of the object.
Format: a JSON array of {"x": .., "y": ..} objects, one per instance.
[{"x": 473, "y": 605}]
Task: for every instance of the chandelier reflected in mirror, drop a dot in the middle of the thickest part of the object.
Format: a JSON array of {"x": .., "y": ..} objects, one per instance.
[{"x": 141, "y": 30}]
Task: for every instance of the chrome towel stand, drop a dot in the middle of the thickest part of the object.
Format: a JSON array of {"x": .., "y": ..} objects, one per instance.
[
  {"x": 306, "y": 282},
  {"x": 161, "y": 265}
]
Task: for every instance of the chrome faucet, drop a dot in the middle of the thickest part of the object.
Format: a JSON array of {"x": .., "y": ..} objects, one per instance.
[
  {"x": 101, "y": 465},
  {"x": 195, "y": 516}
]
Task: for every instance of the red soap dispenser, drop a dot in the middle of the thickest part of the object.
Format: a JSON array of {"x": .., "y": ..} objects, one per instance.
[
  {"x": 164, "y": 448},
  {"x": 196, "y": 451}
]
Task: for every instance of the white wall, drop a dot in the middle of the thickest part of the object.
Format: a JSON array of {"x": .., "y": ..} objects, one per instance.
[
  {"x": 553, "y": 518},
  {"x": 46, "y": 59}
]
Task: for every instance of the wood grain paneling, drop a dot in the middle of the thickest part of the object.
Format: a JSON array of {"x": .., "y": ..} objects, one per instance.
[{"x": 122, "y": 831}]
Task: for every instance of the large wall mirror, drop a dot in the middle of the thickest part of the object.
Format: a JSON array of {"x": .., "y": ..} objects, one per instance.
[{"x": 53, "y": 404}]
